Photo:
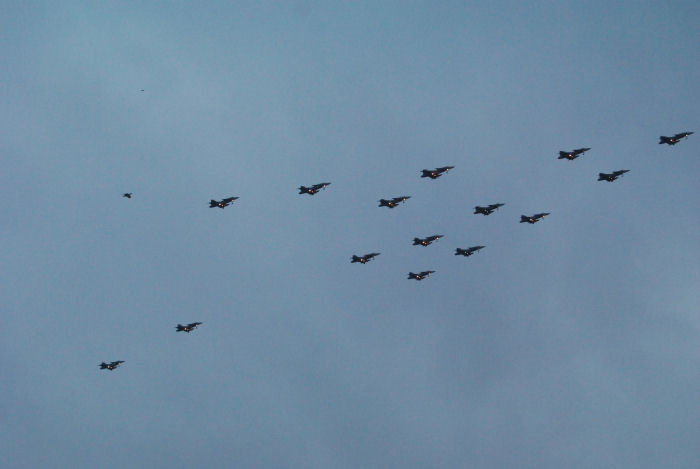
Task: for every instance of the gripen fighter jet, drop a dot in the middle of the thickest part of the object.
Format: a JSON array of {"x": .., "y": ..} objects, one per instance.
[
  {"x": 487, "y": 210},
  {"x": 420, "y": 276},
  {"x": 313, "y": 189},
  {"x": 391, "y": 203},
  {"x": 435, "y": 173},
  {"x": 127, "y": 195},
  {"x": 533, "y": 219},
  {"x": 572, "y": 155},
  {"x": 426, "y": 241},
  {"x": 223, "y": 203},
  {"x": 111, "y": 365},
  {"x": 675, "y": 139},
  {"x": 467, "y": 252},
  {"x": 364, "y": 259},
  {"x": 188, "y": 328},
  {"x": 610, "y": 177}
]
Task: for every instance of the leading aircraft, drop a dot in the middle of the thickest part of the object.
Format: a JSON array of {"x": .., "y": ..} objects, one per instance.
[
  {"x": 223, "y": 203},
  {"x": 188, "y": 328},
  {"x": 127, "y": 195},
  {"x": 467, "y": 252},
  {"x": 111, "y": 365},
  {"x": 420, "y": 276},
  {"x": 572, "y": 155},
  {"x": 426, "y": 241},
  {"x": 533, "y": 219},
  {"x": 364, "y": 259},
  {"x": 435, "y": 173},
  {"x": 391, "y": 203},
  {"x": 487, "y": 210},
  {"x": 610, "y": 177},
  {"x": 675, "y": 139},
  {"x": 313, "y": 189}
]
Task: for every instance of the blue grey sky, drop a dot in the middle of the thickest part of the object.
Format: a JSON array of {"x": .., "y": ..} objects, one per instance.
[{"x": 569, "y": 343}]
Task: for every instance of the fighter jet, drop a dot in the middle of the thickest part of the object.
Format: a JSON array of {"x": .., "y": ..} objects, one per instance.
[
  {"x": 364, "y": 259},
  {"x": 467, "y": 252},
  {"x": 313, "y": 189},
  {"x": 420, "y": 276},
  {"x": 127, "y": 195},
  {"x": 393, "y": 202},
  {"x": 426, "y": 241},
  {"x": 111, "y": 365},
  {"x": 675, "y": 139},
  {"x": 435, "y": 173},
  {"x": 533, "y": 219},
  {"x": 610, "y": 177},
  {"x": 223, "y": 203},
  {"x": 487, "y": 210},
  {"x": 572, "y": 155},
  {"x": 188, "y": 328}
]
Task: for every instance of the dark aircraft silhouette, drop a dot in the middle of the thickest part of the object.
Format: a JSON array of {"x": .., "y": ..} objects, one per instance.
[
  {"x": 393, "y": 202},
  {"x": 572, "y": 155},
  {"x": 435, "y": 173},
  {"x": 675, "y": 139},
  {"x": 610, "y": 177},
  {"x": 111, "y": 365},
  {"x": 127, "y": 195},
  {"x": 420, "y": 276},
  {"x": 313, "y": 189},
  {"x": 467, "y": 252},
  {"x": 487, "y": 210},
  {"x": 426, "y": 241},
  {"x": 364, "y": 259},
  {"x": 188, "y": 328},
  {"x": 533, "y": 219},
  {"x": 223, "y": 203}
]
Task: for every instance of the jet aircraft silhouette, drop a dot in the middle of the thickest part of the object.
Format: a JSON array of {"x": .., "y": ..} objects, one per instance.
[
  {"x": 467, "y": 252},
  {"x": 188, "y": 328},
  {"x": 391, "y": 203},
  {"x": 313, "y": 189},
  {"x": 111, "y": 365},
  {"x": 420, "y": 276},
  {"x": 426, "y": 241},
  {"x": 572, "y": 155},
  {"x": 533, "y": 219},
  {"x": 223, "y": 203},
  {"x": 487, "y": 210},
  {"x": 675, "y": 139},
  {"x": 610, "y": 177},
  {"x": 435, "y": 173},
  {"x": 127, "y": 195},
  {"x": 364, "y": 259}
]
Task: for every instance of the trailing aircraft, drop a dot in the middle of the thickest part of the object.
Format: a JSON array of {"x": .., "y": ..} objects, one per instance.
[
  {"x": 313, "y": 189},
  {"x": 610, "y": 177},
  {"x": 467, "y": 252},
  {"x": 487, "y": 210}
]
